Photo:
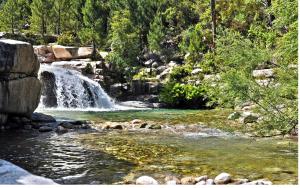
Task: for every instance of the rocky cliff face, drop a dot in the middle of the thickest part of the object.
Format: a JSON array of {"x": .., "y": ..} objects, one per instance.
[{"x": 20, "y": 89}]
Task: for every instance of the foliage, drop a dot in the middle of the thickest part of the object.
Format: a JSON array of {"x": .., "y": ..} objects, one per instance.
[
  {"x": 95, "y": 13},
  {"x": 67, "y": 39},
  {"x": 124, "y": 41},
  {"x": 179, "y": 73},
  {"x": 277, "y": 101},
  {"x": 156, "y": 34},
  {"x": 14, "y": 15},
  {"x": 183, "y": 95}
]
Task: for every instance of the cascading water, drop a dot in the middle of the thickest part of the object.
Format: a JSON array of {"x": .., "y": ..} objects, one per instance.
[{"x": 64, "y": 88}]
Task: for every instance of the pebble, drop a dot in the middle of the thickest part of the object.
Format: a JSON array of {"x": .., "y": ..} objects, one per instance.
[
  {"x": 146, "y": 180},
  {"x": 210, "y": 182},
  {"x": 223, "y": 178},
  {"x": 201, "y": 178},
  {"x": 172, "y": 182},
  {"x": 188, "y": 180},
  {"x": 201, "y": 183}
]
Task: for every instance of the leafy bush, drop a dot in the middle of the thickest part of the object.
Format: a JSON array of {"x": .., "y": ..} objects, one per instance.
[
  {"x": 180, "y": 73},
  {"x": 183, "y": 95},
  {"x": 67, "y": 39}
]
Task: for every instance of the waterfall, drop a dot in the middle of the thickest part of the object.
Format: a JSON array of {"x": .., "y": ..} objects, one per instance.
[{"x": 69, "y": 89}]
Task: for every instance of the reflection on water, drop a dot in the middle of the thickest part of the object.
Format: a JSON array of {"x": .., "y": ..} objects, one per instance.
[{"x": 62, "y": 158}]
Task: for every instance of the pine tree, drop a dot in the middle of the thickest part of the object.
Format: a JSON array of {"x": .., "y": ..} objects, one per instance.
[
  {"x": 10, "y": 16},
  {"x": 41, "y": 15},
  {"x": 156, "y": 34},
  {"x": 95, "y": 14}
]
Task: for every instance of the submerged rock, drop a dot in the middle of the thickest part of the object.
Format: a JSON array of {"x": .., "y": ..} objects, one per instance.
[
  {"x": 39, "y": 117},
  {"x": 146, "y": 180},
  {"x": 154, "y": 126},
  {"x": 45, "y": 128},
  {"x": 222, "y": 178},
  {"x": 14, "y": 175}
]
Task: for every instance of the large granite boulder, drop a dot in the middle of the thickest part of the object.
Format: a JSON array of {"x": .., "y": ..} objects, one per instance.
[
  {"x": 68, "y": 52},
  {"x": 20, "y": 89},
  {"x": 11, "y": 174},
  {"x": 17, "y": 57}
]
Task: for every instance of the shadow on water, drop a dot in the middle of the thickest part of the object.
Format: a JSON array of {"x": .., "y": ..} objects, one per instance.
[{"x": 62, "y": 159}]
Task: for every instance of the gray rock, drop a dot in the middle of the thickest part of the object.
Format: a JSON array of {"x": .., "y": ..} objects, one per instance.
[
  {"x": 68, "y": 125},
  {"x": 172, "y": 179},
  {"x": 18, "y": 57},
  {"x": 259, "y": 182},
  {"x": 19, "y": 96},
  {"x": 248, "y": 117},
  {"x": 146, "y": 180},
  {"x": 210, "y": 182},
  {"x": 11, "y": 174},
  {"x": 201, "y": 183},
  {"x": 188, "y": 181},
  {"x": 240, "y": 181},
  {"x": 61, "y": 130},
  {"x": 222, "y": 178},
  {"x": 201, "y": 178},
  {"x": 196, "y": 71},
  {"x": 39, "y": 117},
  {"x": 173, "y": 64},
  {"x": 20, "y": 90},
  {"x": 149, "y": 62},
  {"x": 263, "y": 73},
  {"x": 45, "y": 128},
  {"x": 171, "y": 182},
  {"x": 155, "y": 65}
]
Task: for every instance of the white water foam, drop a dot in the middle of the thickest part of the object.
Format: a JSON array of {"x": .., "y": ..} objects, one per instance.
[{"x": 75, "y": 92}]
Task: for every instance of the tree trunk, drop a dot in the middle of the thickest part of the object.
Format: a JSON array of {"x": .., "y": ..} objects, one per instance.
[
  {"x": 94, "y": 53},
  {"x": 213, "y": 22},
  {"x": 271, "y": 17},
  {"x": 58, "y": 22}
]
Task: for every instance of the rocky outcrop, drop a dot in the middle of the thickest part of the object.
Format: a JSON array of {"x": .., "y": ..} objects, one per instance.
[
  {"x": 11, "y": 174},
  {"x": 49, "y": 54},
  {"x": 20, "y": 90}
]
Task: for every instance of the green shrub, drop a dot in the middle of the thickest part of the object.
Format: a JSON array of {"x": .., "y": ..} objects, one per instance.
[
  {"x": 179, "y": 73},
  {"x": 183, "y": 95},
  {"x": 67, "y": 39},
  {"x": 88, "y": 69}
]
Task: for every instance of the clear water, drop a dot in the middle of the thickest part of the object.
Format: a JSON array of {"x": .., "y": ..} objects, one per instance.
[{"x": 115, "y": 157}]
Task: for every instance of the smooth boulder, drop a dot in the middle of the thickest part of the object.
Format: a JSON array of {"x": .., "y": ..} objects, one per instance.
[
  {"x": 146, "y": 180},
  {"x": 17, "y": 57},
  {"x": 11, "y": 174}
]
